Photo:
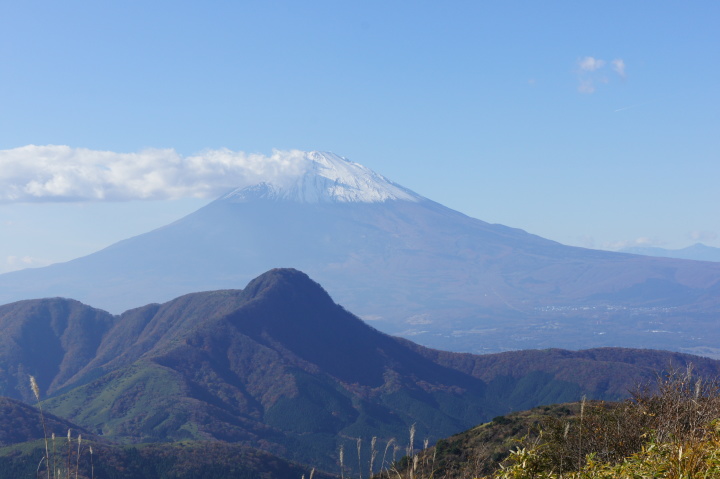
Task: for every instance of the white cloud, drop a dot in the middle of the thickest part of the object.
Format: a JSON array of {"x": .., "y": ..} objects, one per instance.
[
  {"x": 589, "y": 71},
  {"x": 14, "y": 263},
  {"x": 619, "y": 67},
  {"x": 586, "y": 86},
  {"x": 62, "y": 173},
  {"x": 645, "y": 241},
  {"x": 703, "y": 236},
  {"x": 590, "y": 64},
  {"x": 642, "y": 241},
  {"x": 586, "y": 241}
]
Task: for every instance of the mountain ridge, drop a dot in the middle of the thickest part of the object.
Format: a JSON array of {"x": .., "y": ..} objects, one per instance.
[
  {"x": 413, "y": 268},
  {"x": 281, "y": 365}
]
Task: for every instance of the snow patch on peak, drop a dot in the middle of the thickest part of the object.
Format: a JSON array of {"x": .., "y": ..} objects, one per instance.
[{"x": 325, "y": 177}]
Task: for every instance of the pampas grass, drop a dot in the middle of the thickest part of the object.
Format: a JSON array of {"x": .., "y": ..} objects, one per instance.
[
  {"x": 52, "y": 470},
  {"x": 36, "y": 391}
]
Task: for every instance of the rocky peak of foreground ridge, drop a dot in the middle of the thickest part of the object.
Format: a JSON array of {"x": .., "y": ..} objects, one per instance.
[{"x": 324, "y": 177}]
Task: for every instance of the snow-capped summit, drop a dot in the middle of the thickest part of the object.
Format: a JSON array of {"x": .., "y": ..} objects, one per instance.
[{"x": 326, "y": 178}]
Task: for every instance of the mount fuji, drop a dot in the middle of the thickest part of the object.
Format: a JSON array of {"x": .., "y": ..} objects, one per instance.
[{"x": 408, "y": 265}]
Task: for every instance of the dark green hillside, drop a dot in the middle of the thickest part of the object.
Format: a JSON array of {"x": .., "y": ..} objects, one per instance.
[
  {"x": 287, "y": 368},
  {"x": 138, "y": 403},
  {"x": 51, "y": 339},
  {"x": 20, "y": 423},
  {"x": 153, "y": 327},
  {"x": 281, "y": 367},
  {"x": 185, "y": 460},
  {"x": 554, "y": 375}
]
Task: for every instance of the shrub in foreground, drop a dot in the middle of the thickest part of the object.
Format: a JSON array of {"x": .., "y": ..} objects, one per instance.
[{"x": 666, "y": 430}]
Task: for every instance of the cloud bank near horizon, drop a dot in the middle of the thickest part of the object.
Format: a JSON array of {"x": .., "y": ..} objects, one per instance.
[{"x": 61, "y": 173}]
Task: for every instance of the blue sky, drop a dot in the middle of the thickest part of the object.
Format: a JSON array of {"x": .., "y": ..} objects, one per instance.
[{"x": 593, "y": 124}]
